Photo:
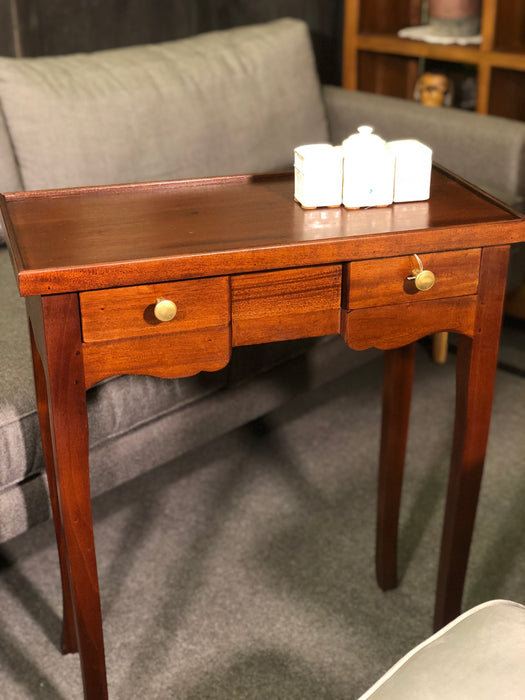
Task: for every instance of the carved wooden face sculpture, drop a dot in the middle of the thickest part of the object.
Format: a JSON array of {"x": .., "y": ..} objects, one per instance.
[{"x": 433, "y": 90}]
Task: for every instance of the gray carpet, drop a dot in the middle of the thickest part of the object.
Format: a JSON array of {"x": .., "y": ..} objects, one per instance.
[{"x": 246, "y": 569}]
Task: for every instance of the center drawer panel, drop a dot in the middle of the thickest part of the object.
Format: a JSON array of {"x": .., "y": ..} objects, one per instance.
[
  {"x": 386, "y": 281},
  {"x": 129, "y": 312},
  {"x": 286, "y": 304}
]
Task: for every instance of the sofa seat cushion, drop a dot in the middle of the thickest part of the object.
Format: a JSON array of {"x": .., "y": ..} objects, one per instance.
[
  {"x": 234, "y": 101},
  {"x": 478, "y": 656}
]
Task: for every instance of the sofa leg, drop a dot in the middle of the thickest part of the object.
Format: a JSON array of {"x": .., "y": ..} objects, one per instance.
[
  {"x": 397, "y": 394},
  {"x": 69, "y": 637}
]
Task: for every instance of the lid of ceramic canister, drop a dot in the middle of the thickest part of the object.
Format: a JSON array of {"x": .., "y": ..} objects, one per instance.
[{"x": 364, "y": 140}]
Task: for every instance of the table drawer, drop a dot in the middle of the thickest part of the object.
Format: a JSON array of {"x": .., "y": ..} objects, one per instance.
[
  {"x": 286, "y": 304},
  {"x": 387, "y": 281},
  {"x": 129, "y": 312}
]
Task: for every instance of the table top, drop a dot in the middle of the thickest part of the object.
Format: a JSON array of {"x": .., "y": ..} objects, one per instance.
[{"x": 96, "y": 237}]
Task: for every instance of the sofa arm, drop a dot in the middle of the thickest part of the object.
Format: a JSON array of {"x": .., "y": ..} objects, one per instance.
[{"x": 488, "y": 151}]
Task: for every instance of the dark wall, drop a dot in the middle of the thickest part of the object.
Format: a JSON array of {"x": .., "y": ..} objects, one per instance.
[{"x": 48, "y": 27}]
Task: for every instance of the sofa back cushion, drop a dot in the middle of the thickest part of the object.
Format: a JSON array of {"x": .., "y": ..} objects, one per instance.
[{"x": 226, "y": 102}]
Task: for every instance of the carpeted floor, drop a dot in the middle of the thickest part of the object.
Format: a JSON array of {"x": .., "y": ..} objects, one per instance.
[{"x": 245, "y": 570}]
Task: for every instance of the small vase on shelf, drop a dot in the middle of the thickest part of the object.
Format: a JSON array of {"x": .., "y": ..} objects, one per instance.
[{"x": 449, "y": 22}]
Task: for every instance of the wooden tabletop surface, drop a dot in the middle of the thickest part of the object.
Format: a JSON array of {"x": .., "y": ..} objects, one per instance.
[{"x": 90, "y": 238}]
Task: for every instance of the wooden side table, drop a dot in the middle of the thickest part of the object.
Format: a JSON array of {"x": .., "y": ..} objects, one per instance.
[{"x": 165, "y": 278}]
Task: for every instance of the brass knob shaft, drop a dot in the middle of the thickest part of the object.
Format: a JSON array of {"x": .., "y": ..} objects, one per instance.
[{"x": 165, "y": 310}]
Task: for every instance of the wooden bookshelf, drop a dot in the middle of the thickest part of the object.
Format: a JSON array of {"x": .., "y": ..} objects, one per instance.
[{"x": 376, "y": 60}]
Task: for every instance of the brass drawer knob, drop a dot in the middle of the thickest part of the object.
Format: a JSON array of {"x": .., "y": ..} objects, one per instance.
[
  {"x": 165, "y": 310},
  {"x": 423, "y": 279}
]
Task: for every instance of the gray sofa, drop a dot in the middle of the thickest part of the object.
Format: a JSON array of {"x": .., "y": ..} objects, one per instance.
[
  {"x": 220, "y": 103},
  {"x": 477, "y": 656}
]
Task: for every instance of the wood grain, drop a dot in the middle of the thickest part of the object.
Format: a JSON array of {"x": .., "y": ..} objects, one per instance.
[
  {"x": 169, "y": 355},
  {"x": 161, "y": 232},
  {"x": 350, "y": 30},
  {"x": 475, "y": 376},
  {"x": 286, "y": 304},
  {"x": 128, "y": 312},
  {"x": 381, "y": 282},
  {"x": 69, "y": 636},
  {"x": 393, "y": 45},
  {"x": 387, "y": 327},
  {"x": 398, "y": 375},
  {"x": 508, "y": 20},
  {"x": 386, "y": 16},
  {"x": 57, "y": 317},
  {"x": 385, "y": 74}
]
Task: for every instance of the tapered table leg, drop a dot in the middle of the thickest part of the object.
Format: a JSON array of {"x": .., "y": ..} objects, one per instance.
[
  {"x": 56, "y": 325},
  {"x": 69, "y": 637},
  {"x": 397, "y": 393},
  {"x": 476, "y": 371}
]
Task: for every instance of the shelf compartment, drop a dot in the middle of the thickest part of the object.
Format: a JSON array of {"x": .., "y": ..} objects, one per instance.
[
  {"x": 389, "y": 75},
  {"x": 385, "y": 16},
  {"x": 371, "y": 42},
  {"x": 507, "y": 94},
  {"x": 509, "y": 34}
]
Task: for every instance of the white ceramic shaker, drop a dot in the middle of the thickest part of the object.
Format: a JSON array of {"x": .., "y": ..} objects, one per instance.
[
  {"x": 413, "y": 170},
  {"x": 318, "y": 175},
  {"x": 368, "y": 170}
]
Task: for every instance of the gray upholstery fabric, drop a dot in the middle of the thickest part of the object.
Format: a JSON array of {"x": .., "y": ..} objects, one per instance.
[
  {"x": 9, "y": 175},
  {"x": 220, "y": 103},
  {"x": 489, "y": 151},
  {"x": 479, "y": 656}
]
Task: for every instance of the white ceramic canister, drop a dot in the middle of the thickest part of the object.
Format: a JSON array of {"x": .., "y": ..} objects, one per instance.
[
  {"x": 413, "y": 170},
  {"x": 368, "y": 170},
  {"x": 318, "y": 175}
]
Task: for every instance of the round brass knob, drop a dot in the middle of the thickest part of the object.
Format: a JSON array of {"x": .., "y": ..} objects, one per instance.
[
  {"x": 165, "y": 310},
  {"x": 423, "y": 279}
]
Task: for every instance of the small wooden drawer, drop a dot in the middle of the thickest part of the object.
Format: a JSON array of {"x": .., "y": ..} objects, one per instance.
[
  {"x": 286, "y": 304},
  {"x": 129, "y": 312},
  {"x": 386, "y": 281}
]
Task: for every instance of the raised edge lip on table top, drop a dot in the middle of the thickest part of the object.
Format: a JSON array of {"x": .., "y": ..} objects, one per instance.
[{"x": 261, "y": 240}]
